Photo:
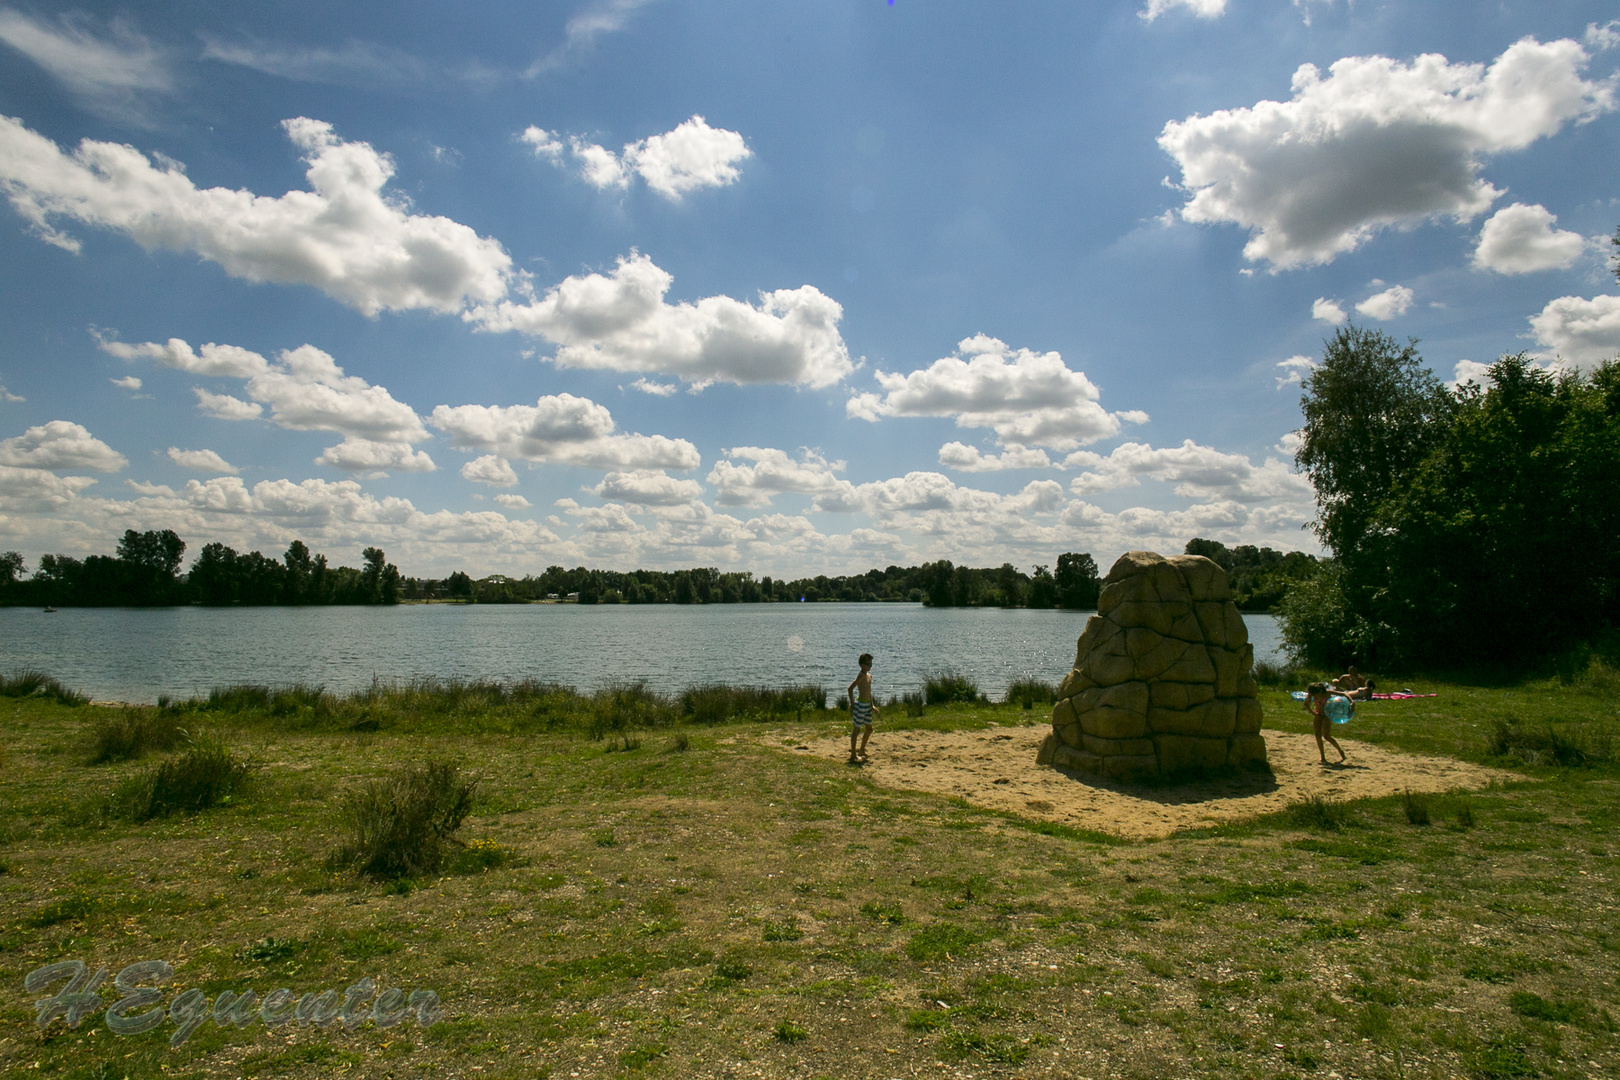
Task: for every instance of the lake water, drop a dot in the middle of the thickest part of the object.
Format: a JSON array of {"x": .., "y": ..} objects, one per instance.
[{"x": 135, "y": 655}]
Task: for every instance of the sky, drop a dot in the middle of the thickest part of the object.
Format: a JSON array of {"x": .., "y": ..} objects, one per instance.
[{"x": 788, "y": 288}]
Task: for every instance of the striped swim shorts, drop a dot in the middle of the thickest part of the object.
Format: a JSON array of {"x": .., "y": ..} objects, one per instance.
[{"x": 861, "y": 714}]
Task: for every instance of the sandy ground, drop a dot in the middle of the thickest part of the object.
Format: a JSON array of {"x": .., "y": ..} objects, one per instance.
[{"x": 996, "y": 769}]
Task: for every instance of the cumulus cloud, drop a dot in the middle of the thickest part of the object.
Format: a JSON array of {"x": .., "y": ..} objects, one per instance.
[
  {"x": 513, "y": 502},
  {"x": 110, "y": 71},
  {"x": 1392, "y": 303},
  {"x": 1328, "y": 311},
  {"x": 203, "y": 461},
  {"x": 560, "y": 429},
  {"x": 1581, "y": 332},
  {"x": 1521, "y": 239},
  {"x": 1026, "y": 398},
  {"x": 772, "y": 472},
  {"x": 1376, "y": 143},
  {"x": 491, "y": 469},
  {"x": 226, "y": 407},
  {"x": 692, "y": 156},
  {"x": 128, "y": 382},
  {"x": 647, "y": 487},
  {"x": 1204, "y": 9},
  {"x": 345, "y": 236},
  {"x": 620, "y": 322},
  {"x": 935, "y": 493},
  {"x": 656, "y": 389},
  {"x": 1602, "y": 38},
  {"x": 1295, "y": 368},
  {"x": 305, "y": 390},
  {"x": 59, "y": 444},
  {"x": 24, "y": 490},
  {"x": 1198, "y": 472},
  {"x": 1471, "y": 371},
  {"x": 965, "y": 458}
]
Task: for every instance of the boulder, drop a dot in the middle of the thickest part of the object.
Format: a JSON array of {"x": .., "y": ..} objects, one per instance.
[{"x": 1162, "y": 679}]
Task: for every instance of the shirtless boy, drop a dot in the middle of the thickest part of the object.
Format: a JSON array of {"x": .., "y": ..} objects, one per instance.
[{"x": 861, "y": 708}]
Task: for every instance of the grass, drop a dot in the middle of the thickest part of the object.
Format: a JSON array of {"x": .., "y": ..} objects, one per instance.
[
  {"x": 405, "y": 824},
  {"x": 206, "y": 774},
  {"x": 126, "y": 734},
  {"x": 729, "y": 906},
  {"x": 949, "y": 687}
]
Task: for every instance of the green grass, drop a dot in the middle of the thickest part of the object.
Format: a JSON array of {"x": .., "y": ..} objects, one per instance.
[{"x": 733, "y": 907}]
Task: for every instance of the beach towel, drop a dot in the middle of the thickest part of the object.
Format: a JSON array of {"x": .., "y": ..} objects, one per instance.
[{"x": 1401, "y": 695}]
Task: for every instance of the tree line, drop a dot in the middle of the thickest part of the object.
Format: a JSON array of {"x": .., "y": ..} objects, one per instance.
[
  {"x": 146, "y": 573},
  {"x": 1467, "y": 526}
]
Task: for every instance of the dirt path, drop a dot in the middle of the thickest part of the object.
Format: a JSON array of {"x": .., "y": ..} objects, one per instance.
[{"x": 996, "y": 769}]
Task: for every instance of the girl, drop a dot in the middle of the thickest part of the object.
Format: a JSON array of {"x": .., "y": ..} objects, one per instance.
[{"x": 1316, "y": 699}]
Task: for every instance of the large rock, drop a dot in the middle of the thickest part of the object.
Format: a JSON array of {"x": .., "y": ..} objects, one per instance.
[{"x": 1161, "y": 681}]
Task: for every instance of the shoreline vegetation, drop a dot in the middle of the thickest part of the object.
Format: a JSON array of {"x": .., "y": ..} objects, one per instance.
[
  {"x": 146, "y": 573},
  {"x": 624, "y": 884}
]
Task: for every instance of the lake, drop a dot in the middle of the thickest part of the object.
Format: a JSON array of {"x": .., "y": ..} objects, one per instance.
[{"x": 128, "y": 654}]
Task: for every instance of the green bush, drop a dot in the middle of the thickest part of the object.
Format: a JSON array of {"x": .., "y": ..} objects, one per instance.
[
  {"x": 126, "y": 734},
  {"x": 914, "y": 702},
  {"x": 1416, "y": 805},
  {"x": 37, "y": 684},
  {"x": 949, "y": 686},
  {"x": 206, "y": 774},
  {"x": 1027, "y": 693},
  {"x": 404, "y": 824}
]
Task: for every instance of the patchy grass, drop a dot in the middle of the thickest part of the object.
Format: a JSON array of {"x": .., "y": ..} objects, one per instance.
[{"x": 738, "y": 908}]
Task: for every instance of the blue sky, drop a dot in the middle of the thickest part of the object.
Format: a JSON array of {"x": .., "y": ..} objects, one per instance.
[{"x": 788, "y": 288}]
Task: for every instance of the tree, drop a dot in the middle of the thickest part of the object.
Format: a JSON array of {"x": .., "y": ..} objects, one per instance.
[
  {"x": 1372, "y": 413},
  {"x": 1077, "y": 581},
  {"x": 1042, "y": 589},
  {"x": 379, "y": 579},
  {"x": 459, "y": 585},
  {"x": 11, "y": 567},
  {"x": 151, "y": 563}
]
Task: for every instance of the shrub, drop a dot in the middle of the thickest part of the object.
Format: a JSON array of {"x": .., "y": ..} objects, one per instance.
[
  {"x": 948, "y": 686},
  {"x": 1027, "y": 693},
  {"x": 915, "y": 703},
  {"x": 37, "y": 684},
  {"x": 206, "y": 774},
  {"x": 401, "y": 825},
  {"x": 1416, "y": 805},
  {"x": 1269, "y": 673},
  {"x": 126, "y": 734}
]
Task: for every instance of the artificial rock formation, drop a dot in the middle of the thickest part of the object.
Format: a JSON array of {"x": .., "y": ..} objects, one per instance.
[{"x": 1161, "y": 681}]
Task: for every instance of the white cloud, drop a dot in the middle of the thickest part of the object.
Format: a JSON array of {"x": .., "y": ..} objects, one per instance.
[
  {"x": 203, "y": 461},
  {"x": 1026, "y": 398},
  {"x": 1198, "y": 472},
  {"x": 344, "y": 237},
  {"x": 1520, "y": 239},
  {"x": 59, "y": 444},
  {"x": 356, "y": 63},
  {"x": 226, "y": 407},
  {"x": 965, "y": 458},
  {"x": 110, "y": 73},
  {"x": 1581, "y": 332},
  {"x": 1328, "y": 311},
  {"x": 229, "y": 360},
  {"x": 7, "y": 395},
  {"x": 1374, "y": 144},
  {"x": 932, "y": 493},
  {"x": 773, "y": 472},
  {"x": 560, "y": 429},
  {"x": 1392, "y": 303},
  {"x": 1204, "y": 9},
  {"x": 128, "y": 382},
  {"x": 1295, "y": 368},
  {"x": 491, "y": 469},
  {"x": 306, "y": 390},
  {"x": 1468, "y": 371},
  {"x": 647, "y": 487},
  {"x": 620, "y": 322},
  {"x": 373, "y": 457},
  {"x": 28, "y": 489},
  {"x": 513, "y": 502},
  {"x": 692, "y": 156},
  {"x": 1602, "y": 38},
  {"x": 656, "y": 389},
  {"x": 592, "y": 21}
]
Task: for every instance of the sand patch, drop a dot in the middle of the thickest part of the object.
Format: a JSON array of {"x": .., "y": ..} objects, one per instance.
[{"x": 996, "y": 769}]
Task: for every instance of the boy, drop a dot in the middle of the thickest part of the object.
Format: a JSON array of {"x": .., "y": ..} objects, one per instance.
[
  {"x": 861, "y": 708},
  {"x": 1316, "y": 699}
]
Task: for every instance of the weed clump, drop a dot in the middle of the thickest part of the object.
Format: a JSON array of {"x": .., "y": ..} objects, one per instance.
[
  {"x": 205, "y": 775},
  {"x": 126, "y": 734},
  {"x": 947, "y": 687},
  {"x": 38, "y": 684},
  {"x": 1318, "y": 812},
  {"x": 1028, "y": 693},
  {"x": 789, "y": 1032},
  {"x": 715, "y": 704},
  {"x": 1271, "y": 673},
  {"x": 1571, "y": 746},
  {"x": 404, "y": 824},
  {"x": 1416, "y": 806}
]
